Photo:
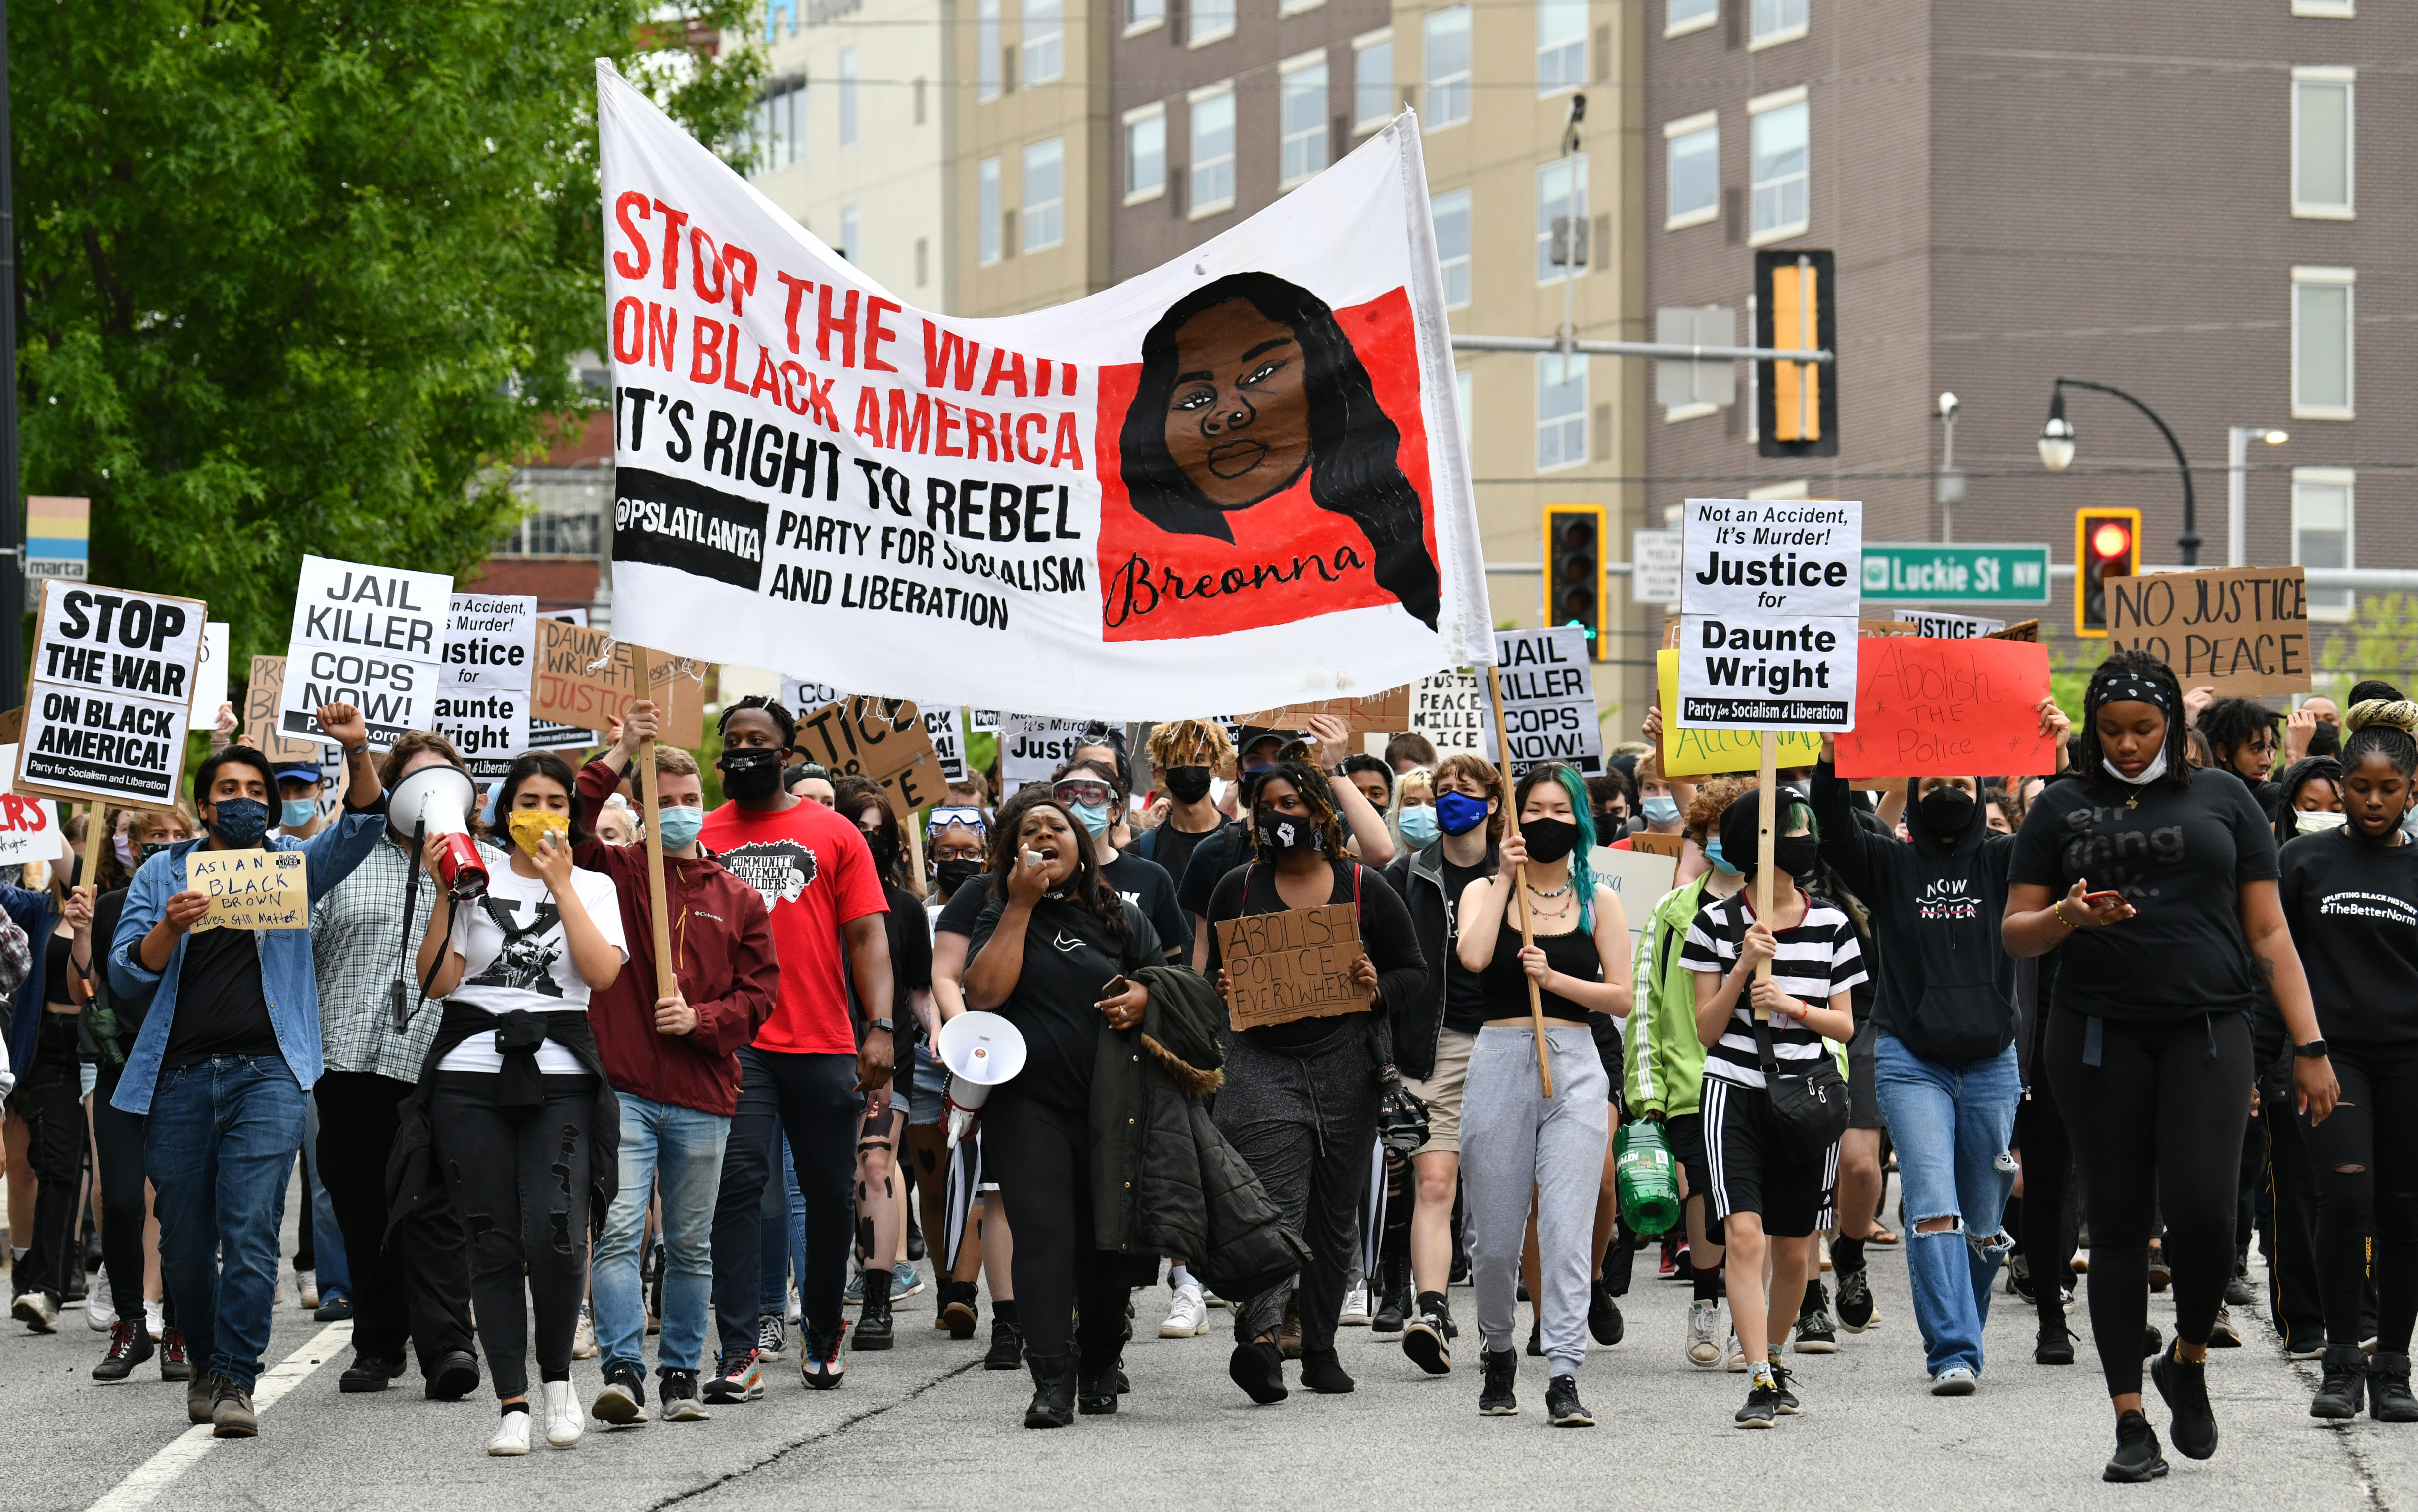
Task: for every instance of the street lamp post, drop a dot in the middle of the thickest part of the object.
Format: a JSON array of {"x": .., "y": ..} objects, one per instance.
[
  {"x": 2056, "y": 444},
  {"x": 2237, "y": 463}
]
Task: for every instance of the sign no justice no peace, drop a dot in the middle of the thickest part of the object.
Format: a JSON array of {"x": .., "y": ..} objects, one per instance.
[{"x": 1768, "y": 591}]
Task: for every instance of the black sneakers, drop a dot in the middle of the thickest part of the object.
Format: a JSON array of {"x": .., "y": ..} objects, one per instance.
[
  {"x": 1323, "y": 1373},
  {"x": 1605, "y": 1322},
  {"x": 1006, "y": 1345},
  {"x": 2388, "y": 1389},
  {"x": 1782, "y": 1396},
  {"x": 2346, "y": 1380},
  {"x": 1499, "y": 1371},
  {"x": 1258, "y": 1367},
  {"x": 1815, "y": 1333},
  {"x": 1427, "y": 1336},
  {"x": 130, "y": 1345},
  {"x": 369, "y": 1373},
  {"x": 1563, "y": 1408},
  {"x": 681, "y": 1404},
  {"x": 2056, "y": 1346},
  {"x": 1761, "y": 1409},
  {"x": 621, "y": 1402},
  {"x": 1856, "y": 1309},
  {"x": 2184, "y": 1386},
  {"x": 2136, "y": 1457}
]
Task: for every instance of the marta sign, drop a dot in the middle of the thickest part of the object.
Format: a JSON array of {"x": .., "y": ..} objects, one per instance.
[{"x": 1767, "y": 628}]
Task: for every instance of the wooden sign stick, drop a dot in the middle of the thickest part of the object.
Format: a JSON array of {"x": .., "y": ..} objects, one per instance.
[
  {"x": 1520, "y": 876},
  {"x": 666, "y": 981},
  {"x": 96, "y": 816},
  {"x": 1766, "y": 820}
]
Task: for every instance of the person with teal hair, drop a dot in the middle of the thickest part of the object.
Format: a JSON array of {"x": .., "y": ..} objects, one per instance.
[{"x": 1515, "y": 1140}]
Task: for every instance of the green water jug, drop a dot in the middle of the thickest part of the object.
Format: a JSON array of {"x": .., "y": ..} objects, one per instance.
[{"x": 1645, "y": 1177}]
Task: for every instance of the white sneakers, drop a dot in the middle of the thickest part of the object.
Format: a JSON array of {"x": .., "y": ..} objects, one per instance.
[
  {"x": 1956, "y": 1381},
  {"x": 100, "y": 1309},
  {"x": 583, "y": 1341},
  {"x": 1704, "y": 1334},
  {"x": 1356, "y": 1307},
  {"x": 1187, "y": 1316},
  {"x": 511, "y": 1435},
  {"x": 306, "y": 1288},
  {"x": 563, "y": 1417},
  {"x": 1737, "y": 1353}
]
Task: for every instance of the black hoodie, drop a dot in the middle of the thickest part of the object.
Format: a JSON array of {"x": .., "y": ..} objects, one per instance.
[{"x": 1947, "y": 987}]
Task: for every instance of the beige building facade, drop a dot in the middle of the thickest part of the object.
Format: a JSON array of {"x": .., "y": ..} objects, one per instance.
[{"x": 1029, "y": 88}]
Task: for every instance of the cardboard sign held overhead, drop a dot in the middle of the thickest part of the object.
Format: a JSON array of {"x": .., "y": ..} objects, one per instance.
[
  {"x": 572, "y": 687},
  {"x": 1297, "y": 964},
  {"x": 1449, "y": 709},
  {"x": 368, "y": 637},
  {"x": 261, "y": 697},
  {"x": 251, "y": 889},
  {"x": 2243, "y": 630},
  {"x": 1964, "y": 706},
  {"x": 109, "y": 699},
  {"x": 1378, "y": 713},
  {"x": 882, "y": 739}
]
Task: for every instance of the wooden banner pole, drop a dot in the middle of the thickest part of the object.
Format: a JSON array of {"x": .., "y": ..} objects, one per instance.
[
  {"x": 95, "y": 817},
  {"x": 667, "y": 980},
  {"x": 1520, "y": 877},
  {"x": 1767, "y": 821}
]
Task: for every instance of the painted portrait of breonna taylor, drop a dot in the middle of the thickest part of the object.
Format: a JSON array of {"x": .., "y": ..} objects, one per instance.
[{"x": 1265, "y": 463}]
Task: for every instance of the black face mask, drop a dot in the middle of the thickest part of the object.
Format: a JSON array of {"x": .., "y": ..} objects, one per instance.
[
  {"x": 886, "y": 853},
  {"x": 1281, "y": 834},
  {"x": 1549, "y": 840},
  {"x": 1187, "y": 785},
  {"x": 1797, "y": 855},
  {"x": 1947, "y": 811},
  {"x": 953, "y": 874},
  {"x": 750, "y": 774}
]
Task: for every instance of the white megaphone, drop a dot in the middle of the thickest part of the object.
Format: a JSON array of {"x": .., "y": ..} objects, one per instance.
[
  {"x": 981, "y": 1050},
  {"x": 440, "y": 799}
]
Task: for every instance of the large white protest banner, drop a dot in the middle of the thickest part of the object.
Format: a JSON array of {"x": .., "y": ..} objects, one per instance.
[
  {"x": 1235, "y": 482},
  {"x": 210, "y": 673},
  {"x": 483, "y": 692},
  {"x": 1548, "y": 699},
  {"x": 1769, "y": 589},
  {"x": 370, "y": 636},
  {"x": 111, "y": 695}
]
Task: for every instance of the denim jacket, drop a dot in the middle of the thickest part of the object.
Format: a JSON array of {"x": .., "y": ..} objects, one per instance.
[{"x": 287, "y": 977}]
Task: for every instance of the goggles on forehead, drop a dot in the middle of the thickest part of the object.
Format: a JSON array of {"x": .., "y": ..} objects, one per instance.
[{"x": 940, "y": 819}]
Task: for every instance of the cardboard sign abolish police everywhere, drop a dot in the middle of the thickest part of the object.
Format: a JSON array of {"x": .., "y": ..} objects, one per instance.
[
  {"x": 1769, "y": 589},
  {"x": 110, "y": 698},
  {"x": 370, "y": 636},
  {"x": 1297, "y": 964},
  {"x": 250, "y": 888}
]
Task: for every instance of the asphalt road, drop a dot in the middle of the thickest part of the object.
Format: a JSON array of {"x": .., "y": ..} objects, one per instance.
[{"x": 925, "y": 1425}]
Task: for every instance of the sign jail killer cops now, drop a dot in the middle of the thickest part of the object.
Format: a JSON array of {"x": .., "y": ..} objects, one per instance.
[
  {"x": 370, "y": 636},
  {"x": 1768, "y": 625},
  {"x": 1548, "y": 699},
  {"x": 111, "y": 695}
]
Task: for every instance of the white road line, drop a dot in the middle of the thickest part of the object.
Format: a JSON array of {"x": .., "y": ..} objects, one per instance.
[{"x": 156, "y": 1473}]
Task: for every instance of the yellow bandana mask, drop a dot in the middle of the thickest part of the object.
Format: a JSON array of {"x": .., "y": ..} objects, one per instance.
[{"x": 528, "y": 824}]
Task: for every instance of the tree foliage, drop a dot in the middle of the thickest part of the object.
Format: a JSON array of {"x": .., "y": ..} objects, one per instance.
[{"x": 306, "y": 275}]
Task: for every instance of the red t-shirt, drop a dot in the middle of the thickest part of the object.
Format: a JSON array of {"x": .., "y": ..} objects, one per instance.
[{"x": 815, "y": 873}]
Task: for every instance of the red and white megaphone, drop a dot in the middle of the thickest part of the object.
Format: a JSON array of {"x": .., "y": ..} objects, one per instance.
[
  {"x": 440, "y": 799},
  {"x": 981, "y": 1050}
]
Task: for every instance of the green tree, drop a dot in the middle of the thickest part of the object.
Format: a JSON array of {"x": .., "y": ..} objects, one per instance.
[
  {"x": 305, "y": 276},
  {"x": 2380, "y": 641}
]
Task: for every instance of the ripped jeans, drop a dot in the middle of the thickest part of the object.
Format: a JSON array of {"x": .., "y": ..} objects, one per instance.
[
  {"x": 519, "y": 1178},
  {"x": 1951, "y": 1126}
]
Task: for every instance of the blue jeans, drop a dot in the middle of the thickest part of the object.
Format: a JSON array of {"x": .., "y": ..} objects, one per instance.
[
  {"x": 683, "y": 1148},
  {"x": 219, "y": 1146},
  {"x": 326, "y": 1237},
  {"x": 1951, "y": 1126}
]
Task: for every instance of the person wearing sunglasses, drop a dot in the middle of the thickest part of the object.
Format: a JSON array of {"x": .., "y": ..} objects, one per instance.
[{"x": 1090, "y": 789}]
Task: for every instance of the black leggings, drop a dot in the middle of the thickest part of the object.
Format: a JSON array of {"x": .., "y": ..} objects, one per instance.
[
  {"x": 2366, "y": 1160},
  {"x": 519, "y": 1177},
  {"x": 2157, "y": 1131},
  {"x": 117, "y": 1137},
  {"x": 1041, "y": 1158},
  {"x": 49, "y": 1097},
  {"x": 2048, "y": 1183}
]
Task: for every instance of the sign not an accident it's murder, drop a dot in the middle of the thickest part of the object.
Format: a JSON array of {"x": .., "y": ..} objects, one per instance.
[
  {"x": 111, "y": 696},
  {"x": 1767, "y": 624}
]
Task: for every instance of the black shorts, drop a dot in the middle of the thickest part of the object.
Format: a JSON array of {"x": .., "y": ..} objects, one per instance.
[
  {"x": 1686, "y": 1132},
  {"x": 1864, "y": 1082},
  {"x": 1753, "y": 1169}
]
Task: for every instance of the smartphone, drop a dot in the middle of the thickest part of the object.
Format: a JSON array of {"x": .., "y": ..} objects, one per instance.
[
  {"x": 1115, "y": 988},
  {"x": 2096, "y": 899}
]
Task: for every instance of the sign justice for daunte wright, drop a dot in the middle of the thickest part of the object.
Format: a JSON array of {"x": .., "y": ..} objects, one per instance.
[{"x": 1769, "y": 590}]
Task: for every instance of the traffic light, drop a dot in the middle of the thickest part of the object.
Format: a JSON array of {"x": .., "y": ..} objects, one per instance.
[
  {"x": 1797, "y": 309},
  {"x": 2106, "y": 544},
  {"x": 1574, "y": 580}
]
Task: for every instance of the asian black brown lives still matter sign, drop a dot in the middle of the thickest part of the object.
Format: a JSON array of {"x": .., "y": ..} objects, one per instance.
[
  {"x": 108, "y": 697},
  {"x": 2243, "y": 630},
  {"x": 1296, "y": 963},
  {"x": 1768, "y": 591},
  {"x": 370, "y": 636}
]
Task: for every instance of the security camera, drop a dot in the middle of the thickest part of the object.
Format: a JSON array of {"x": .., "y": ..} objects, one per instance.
[{"x": 1947, "y": 407}]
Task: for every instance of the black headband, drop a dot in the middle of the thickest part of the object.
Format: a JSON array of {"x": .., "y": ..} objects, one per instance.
[{"x": 2125, "y": 688}]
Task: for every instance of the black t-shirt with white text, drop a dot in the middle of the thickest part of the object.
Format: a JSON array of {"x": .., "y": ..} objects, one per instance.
[
  {"x": 1145, "y": 884},
  {"x": 2353, "y": 908}
]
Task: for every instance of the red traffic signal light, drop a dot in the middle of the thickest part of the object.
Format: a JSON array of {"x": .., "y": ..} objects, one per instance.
[{"x": 2106, "y": 544}]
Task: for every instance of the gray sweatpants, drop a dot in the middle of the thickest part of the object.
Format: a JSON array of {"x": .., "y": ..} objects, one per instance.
[{"x": 1512, "y": 1142}]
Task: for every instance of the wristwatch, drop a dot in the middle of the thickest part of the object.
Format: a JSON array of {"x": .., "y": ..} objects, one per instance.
[
  {"x": 882, "y": 1024},
  {"x": 2313, "y": 1050}
]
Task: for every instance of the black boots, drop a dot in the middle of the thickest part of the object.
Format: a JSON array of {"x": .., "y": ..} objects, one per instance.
[
  {"x": 2388, "y": 1389},
  {"x": 1096, "y": 1390},
  {"x": 2346, "y": 1380},
  {"x": 1053, "y": 1391},
  {"x": 960, "y": 1309},
  {"x": 874, "y": 1329}
]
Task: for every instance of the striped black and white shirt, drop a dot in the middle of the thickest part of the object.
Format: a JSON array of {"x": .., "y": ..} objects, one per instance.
[{"x": 1819, "y": 956}]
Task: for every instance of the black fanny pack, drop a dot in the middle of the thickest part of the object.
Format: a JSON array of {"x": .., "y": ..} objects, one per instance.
[{"x": 1809, "y": 1106}]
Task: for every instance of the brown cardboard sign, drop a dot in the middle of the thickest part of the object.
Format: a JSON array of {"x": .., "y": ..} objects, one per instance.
[
  {"x": 572, "y": 687},
  {"x": 2243, "y": 630},
  {"x": 1380, "y": 713},
  {"x": 1297, "y": 964},
  {"x": 1659, "y": 845},
  {"x": 261, "y": 697},
  {"x": 882, "y": 738},
  {"x": 2028, "y": 630}
]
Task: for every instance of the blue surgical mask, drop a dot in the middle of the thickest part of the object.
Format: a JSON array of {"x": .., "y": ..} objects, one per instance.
[
  {"x": 1713, "y": 854},
  {"x": 1419, "y": 826},
  {"x": 487, "y": 811},
  {"x": 297, "y": 812},
  {"x": 1095, "y": 817},
  {"x": 1661, "y": 810},
  {"x": 1459, "y": 813},
  {"x": 678, "y": 826},
  {"x": 240, "y": 822}
]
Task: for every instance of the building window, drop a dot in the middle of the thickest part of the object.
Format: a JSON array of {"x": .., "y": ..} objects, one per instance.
[
  {"x": 848, "y": 97},
  {"x": 987, "y": 209},
  {"x": 1289, "y": 7},
  {"x": 1561, "y": 411},
  {"x": 1372, "y": 80},
  {"x": 1783, "y": 146},
  {"x": 1142, "y": 15},
  {"x": 1694, "y": 149},
  {"x": 1452, "y": 245},
  {"x": 1213, "y": 149},
  {"x": 923, "y": 260},
  {"x": 2325, "y": 9},
  {"x": 2321, "y": 532},
  {"x": 1777, "y": 20},
  {"x": 987, "y": 46},
  {"x": 1211, "y": 21},
  {"x": 1303, "y": 87},
  {"x": 1561, "y": 192},
  {"x": 1045, "y": 195},
  {"x": 2322, "y": 343},
  {"x": 1680, "y": 17},
  {"x": 2322, "y": 143},
  {"x": 779, "y": 131},
  {"x": 1444, "y": 37},
  {"x": 1561, "y": 45},
  {"x": 1145, "y": 153},
  {"x": 1045, "y": 41},
  {"x": 1464, "y": 393},
  {"x": 849, "y": 246}
]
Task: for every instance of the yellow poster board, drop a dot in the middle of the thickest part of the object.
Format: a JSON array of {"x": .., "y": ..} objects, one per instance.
[
  {"x": 1695, "y": 753},
  {"x": 250, "y": 888}
]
